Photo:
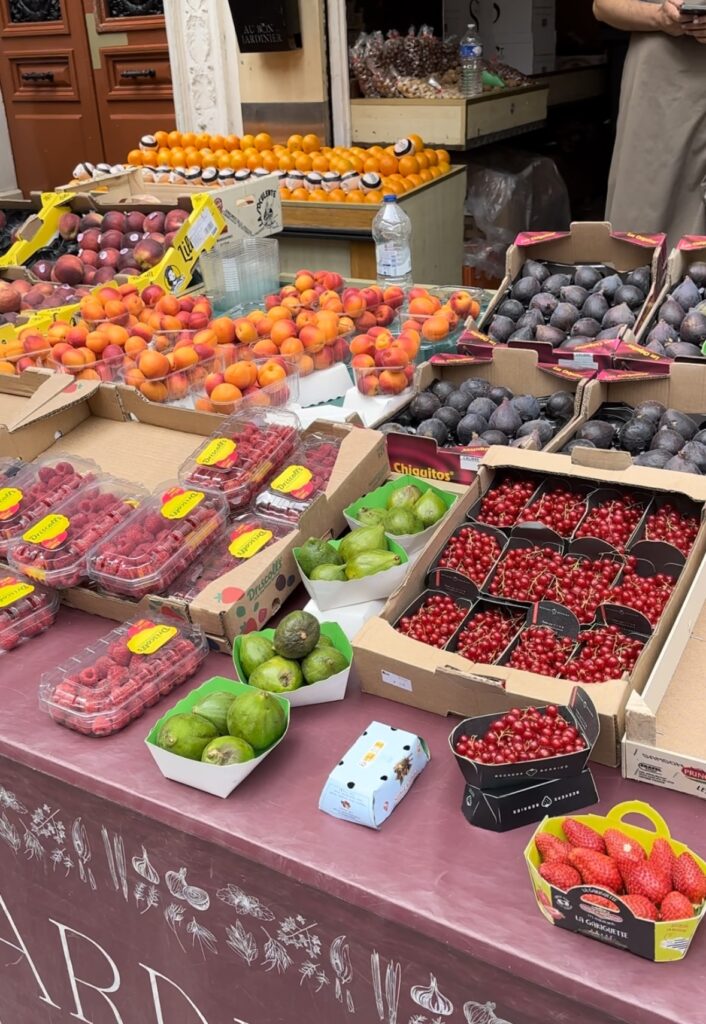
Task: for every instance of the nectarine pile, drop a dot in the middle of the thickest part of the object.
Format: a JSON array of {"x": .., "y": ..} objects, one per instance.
[
  {"x": 309, "y": 171},
  {"x": 383, "y": 364}
]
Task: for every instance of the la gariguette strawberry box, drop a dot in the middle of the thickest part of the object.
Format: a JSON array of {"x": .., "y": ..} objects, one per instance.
[{"x": 631, "y": 887}]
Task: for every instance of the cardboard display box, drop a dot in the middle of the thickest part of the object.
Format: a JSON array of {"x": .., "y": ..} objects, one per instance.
[
  {"x": 691, "y": 249},
  {"x": 394, "y": 666},
  {"x": 147, "y": 445},
  {"x": 198, "y": 234},
  {"x": 516, "y": 369},
  {"x": 585, "y": 242},
  {"x": 665, "y": 725},
  {"x": 684, "y": 389},
  {"x": 251, "y": 209}
]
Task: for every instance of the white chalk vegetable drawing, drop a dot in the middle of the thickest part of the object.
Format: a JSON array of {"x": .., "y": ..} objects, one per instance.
[
  {"x": 46, "y": 824},
  {"x": 431, "y": 999},
  {"x": 191, "y": 894},
  {"x": 109, "y": 857},
  {"x": 10, "y": 801},
  {"x": 249, "y": 906},
  {"x": 377, "y": 983},
  {"x": 481, "y": 1013},
  {"x": 9, "y": 833},
  {"x": 205, "y": 938},
  {"x": 144, "y": 869},
  {"x": 242, "y": 942},
  {"x": 276, "y": 956},
  {"x": 294, "y": 931},
  {"x": 350, "y": 1005},
  {"x": 174, "y": 915},
  {"x": 393, "y": 982},
  {"x": 312, "y": 972},
  {"x": 340, "y": 957},
  {"x": 59, "y": 856},
  {"x": 121, "y": 867},
  {"x": 82, "y": 848},
  {"x": 147, "y": 894},
  {"x": 33, "y": 848}
]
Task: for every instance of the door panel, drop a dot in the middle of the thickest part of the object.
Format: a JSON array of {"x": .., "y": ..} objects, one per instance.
[
  {"x": 133, "y": 81},
  {"x": 49, "y": 98}
]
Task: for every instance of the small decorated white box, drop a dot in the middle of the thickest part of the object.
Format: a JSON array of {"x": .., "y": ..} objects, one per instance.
[{"x": 372, "y": 777}]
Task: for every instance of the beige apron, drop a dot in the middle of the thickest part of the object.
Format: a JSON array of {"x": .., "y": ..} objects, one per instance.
[{"x": 658, "y": 174}]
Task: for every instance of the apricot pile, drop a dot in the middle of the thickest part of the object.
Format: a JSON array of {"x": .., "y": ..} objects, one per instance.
[{"x": 394, "y": 169}]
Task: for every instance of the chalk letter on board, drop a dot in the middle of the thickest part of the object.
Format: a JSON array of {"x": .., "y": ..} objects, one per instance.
[
  {"x": 75, "y": 982},
  {"x": 154, "y": 985},
  {"x": 22, "y": 949}
]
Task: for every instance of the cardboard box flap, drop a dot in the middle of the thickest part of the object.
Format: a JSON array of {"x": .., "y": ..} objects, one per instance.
[
  {"x": 57, "y": 391},
  {"x": 633, "y": 476}
]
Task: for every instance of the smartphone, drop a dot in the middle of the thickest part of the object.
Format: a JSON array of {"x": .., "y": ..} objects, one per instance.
[{"x": 693, "y": 8}]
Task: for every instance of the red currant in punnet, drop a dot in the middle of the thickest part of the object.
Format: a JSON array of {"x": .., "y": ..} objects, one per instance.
[
  {"x": 522, "y": 735},
  {"x": 603, "y": 654},
  {"x": 646, "y": 594},
  {"x": 674, "y": 527},
  {"x": 559, "y": 508},
  {"x": 435, "y": 622},
  {"x": 472, "y": 553},
  {"x": 487, "y": 635},
  {"x": 543, "y": 651},
  {"x": 503, "y": 503},
  {"x": 613, "y": 521}
]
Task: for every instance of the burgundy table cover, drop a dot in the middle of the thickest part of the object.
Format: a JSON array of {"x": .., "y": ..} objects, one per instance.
[{"x": 128, "y": 898}]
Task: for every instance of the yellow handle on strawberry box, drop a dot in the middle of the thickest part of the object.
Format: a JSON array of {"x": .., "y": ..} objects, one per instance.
[{"x": 620, "y": 811}]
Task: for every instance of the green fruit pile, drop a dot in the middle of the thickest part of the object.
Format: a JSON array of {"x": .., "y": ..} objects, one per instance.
[
  {"x": 298, "y": 654},
  {"x": 361, "y": 553},
  {"x": 408, "y": 511},
  {"x": 225, "y": 728}
]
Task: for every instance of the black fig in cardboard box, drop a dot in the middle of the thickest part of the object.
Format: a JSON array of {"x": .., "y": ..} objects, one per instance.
[
  {"x": 672, "y": 313},
  {"x": 693, "y": 329},
  {"x": 501, "y": 328},
  {"x": 535, "y": 269},
  {"x": 511, "y": 309},
  {"x": 525, "y": 288}
]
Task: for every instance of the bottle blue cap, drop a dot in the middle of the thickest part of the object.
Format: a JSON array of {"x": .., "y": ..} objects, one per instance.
[{"x": 389, "y": 199}]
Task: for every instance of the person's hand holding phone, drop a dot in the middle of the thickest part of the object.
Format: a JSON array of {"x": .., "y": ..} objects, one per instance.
[
  {"x": 670, "y": 18},
  {"x": 694, "y": 25}
]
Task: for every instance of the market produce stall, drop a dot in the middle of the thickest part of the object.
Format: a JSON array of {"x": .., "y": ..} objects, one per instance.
[{"x": 170, "y": 904}]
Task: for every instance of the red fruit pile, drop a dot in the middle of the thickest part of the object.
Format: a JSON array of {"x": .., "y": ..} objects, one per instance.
[
  {"x": 25, "y": 611},
  {"x": 613, "y": 521},
  {"x": 603, "y": 654},
  {"x": 261, "y": 447},
  {"x": 582, "y": 585},
  {"x": 646, "y": 594},
  {"x": 113, "y": 685},
  {"x": 528, "y": 735},
  {"x": 525, "y": 574},
  {"x": 658, "y": 887},
  {"x": 435, "y": 622},
  {"x": 146, "y": 553},
  {"x": 672, "y": 526},
  {"x": 42, "y": 486},
  {"x": 470, "y": 553},
  {"x": 541, "y": 650},
  {"x": 561, "y": 509},
  {"x": 60, "y": 560},
  {"x": 487, "y": 635},
  {"x": 294, "y": 489},
  {"x": 502, "y": 504},
  {"x": 247, "y": 536}
]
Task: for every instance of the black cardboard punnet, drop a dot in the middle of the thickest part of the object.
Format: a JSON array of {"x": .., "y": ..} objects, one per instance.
[
  {"x": 580, "y": 711},
  {"x": 500, "y": 810}
]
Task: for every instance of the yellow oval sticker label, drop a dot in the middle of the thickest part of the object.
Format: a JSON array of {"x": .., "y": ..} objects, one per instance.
[
  {"x": 248, "y": 544},
  {"x": 12, "y": 590},
  {"x": 218, "y": 452},
  {"x": 149, "y": 640},
  {"x": 10, "y": 497},
  {"x": 181, "y": 504},
  {"x": 48, "y": 532},
  {"x": 293, "y": 478}
]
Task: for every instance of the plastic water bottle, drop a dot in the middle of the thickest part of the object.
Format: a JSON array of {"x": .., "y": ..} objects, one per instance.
[
  {"x": 471, "y": 52},
  {"x": 392, "y": 233}
]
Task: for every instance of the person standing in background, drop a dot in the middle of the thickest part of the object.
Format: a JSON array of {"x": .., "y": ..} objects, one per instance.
[{"x": 658, "y": 175}]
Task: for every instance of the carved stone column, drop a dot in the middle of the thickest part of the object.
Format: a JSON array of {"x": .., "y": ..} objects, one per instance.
[{"x": 204, "y": 58}]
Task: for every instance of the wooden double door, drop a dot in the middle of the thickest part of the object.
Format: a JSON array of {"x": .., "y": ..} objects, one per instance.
[{"x": 81, "y": 80}]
